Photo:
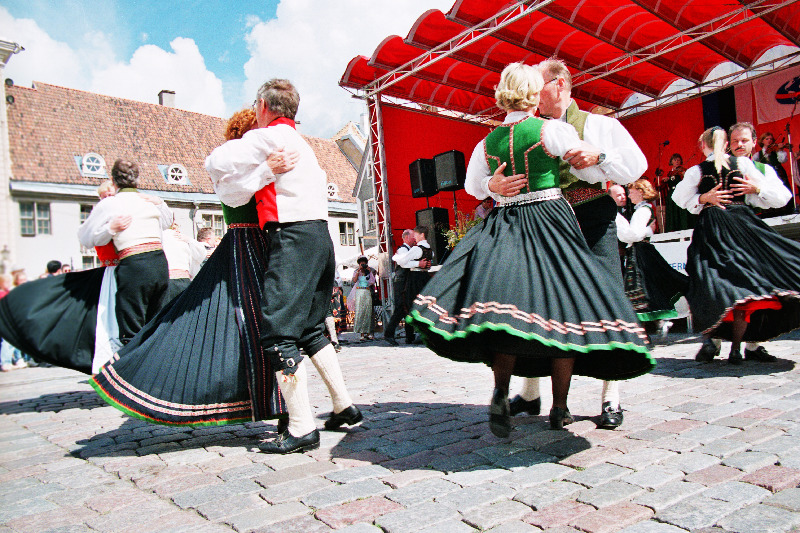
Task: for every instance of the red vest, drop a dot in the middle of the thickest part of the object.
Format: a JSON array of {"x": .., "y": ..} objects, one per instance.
[{"x": 266, "y": 198}]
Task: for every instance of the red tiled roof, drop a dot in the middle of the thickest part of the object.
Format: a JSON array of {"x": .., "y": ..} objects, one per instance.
[{"x": 49, "y": 125}]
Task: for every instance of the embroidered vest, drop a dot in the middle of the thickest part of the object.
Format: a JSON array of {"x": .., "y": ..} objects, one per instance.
[
  {"x": 245, "y": 214},
  {"x": 266, "y": 198},
  {"x": 520, "y": 146},
  {"x": 710, "y": 178},
  {"x": 577, "y": 119},
  {"x": 427, "y": 253}
]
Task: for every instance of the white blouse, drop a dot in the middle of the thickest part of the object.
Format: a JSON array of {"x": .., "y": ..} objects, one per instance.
[
  {"x": 638, "y": 229},
  {"x": 148, "y": 221}
]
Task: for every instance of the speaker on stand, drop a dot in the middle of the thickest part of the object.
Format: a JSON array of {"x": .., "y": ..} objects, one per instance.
[
  {"x": 423, "y": 179},
  {"x": 451, "y": 172}
]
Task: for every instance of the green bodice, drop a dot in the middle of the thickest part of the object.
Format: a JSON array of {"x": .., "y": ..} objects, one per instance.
[
  {"x": 519, "y": 145},
  {"x": 245, "y": 214}
]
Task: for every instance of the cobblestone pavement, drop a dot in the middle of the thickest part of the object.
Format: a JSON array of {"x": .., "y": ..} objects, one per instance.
[{"x": 704, "y": 447}]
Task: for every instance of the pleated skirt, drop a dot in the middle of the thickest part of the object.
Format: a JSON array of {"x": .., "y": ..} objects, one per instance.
[
  {"x": 651, "y": 284},
  {"x": 524, "y": 282},
  {"x": 736, "y": 261},
  {"x": 200, "y": 362},
  {"x": 54, "y": 319}
]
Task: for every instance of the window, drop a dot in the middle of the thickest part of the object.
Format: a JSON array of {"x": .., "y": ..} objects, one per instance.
[
  {"x": 371, "y": 219},
  {"x": 177, "y": 174},
  {"x": 34, "y": 219},
  {"x": 214, "y": 221},
  {"x": 333, "y": 191},
  {"x": 86, "y": 210},
  {"x": 347, "y": 233},
  {"x": 93, "y": 165},
  {"x": 89, "y": 262}
]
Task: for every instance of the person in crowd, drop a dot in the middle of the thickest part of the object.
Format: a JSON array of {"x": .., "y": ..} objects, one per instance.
[
  {"x": 651, "y": 284},
  {"x": 418, "y": 261},
  {"x": 402, "y": 297},
  {"x": 334, "y": 311},
  {"x": 773, "y": 155},
  {"x": 66, "y": 268},
  {"x": 484, "y": 208},
  {"x": 744, "y": 278},
  {"x": 609, "y": 147},
  {"x": 520, "y": 291},
  {"x": 209, "y": 240},
  {"x": 620, "y": 197},
  {"x": 53, "y": 268},
  {"x": 292, "y": 211},
  {"x": 8, "y": 352},
  {"x": 675, "y": 218},
  {"x": 360, "y": 299}
]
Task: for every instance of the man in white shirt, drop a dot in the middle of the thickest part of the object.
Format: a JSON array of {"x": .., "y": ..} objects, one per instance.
[
  {"x": 402, "y": 303},
  {"x": 609, "y": 147}
]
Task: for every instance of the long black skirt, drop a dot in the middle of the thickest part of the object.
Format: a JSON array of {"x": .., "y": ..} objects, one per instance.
[
  {"x": 199, "y": 362},
  {"x": 524, "y": 282},
  {"x": 736, "y": 261},
  {"x": 651, "y": 284},
  {"x": 54, "y": 319}
]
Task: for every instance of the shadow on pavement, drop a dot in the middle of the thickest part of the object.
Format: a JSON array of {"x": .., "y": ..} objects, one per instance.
[{"x": 689, "y": 368}]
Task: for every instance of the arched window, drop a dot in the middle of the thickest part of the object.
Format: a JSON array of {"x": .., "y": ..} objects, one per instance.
[{"x": 93, "y": 165}]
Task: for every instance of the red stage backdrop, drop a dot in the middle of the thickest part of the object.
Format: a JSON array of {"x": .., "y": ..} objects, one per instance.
[{"x": 410, "y": 135}]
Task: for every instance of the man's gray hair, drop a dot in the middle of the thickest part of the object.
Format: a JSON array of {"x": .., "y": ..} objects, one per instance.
[
  {"x": 742, "y": 126},
  {"x": 281, "y": 97},
  {"x": 555, "y": 68},
  {"x": 407, "y": 232}
]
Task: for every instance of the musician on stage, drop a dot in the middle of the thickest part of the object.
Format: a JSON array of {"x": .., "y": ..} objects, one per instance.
[{"x": 775, "y": 155}]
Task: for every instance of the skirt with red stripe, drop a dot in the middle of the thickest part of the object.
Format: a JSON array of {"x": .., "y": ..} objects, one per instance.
[
  {"x": 524, "y": 282},
  {"x": 199, "y": 362},
  {"x": 737, "y": 262}
]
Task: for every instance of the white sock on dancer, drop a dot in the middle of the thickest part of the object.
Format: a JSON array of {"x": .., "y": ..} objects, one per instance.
[
  {"x": 295, "y": 392},
  {"x": 611, "y": 393},
  {"x": 330, "y": 323},
  {"x": 331, "y": 373},
  {"x": 530, "y": 389}
]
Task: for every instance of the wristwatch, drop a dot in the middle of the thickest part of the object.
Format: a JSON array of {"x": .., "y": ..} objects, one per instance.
[{"x": 601, "y": 158}]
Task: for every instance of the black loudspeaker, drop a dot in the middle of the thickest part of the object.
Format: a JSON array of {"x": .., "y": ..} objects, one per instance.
[
  {"x": 423, "y": 178},
  {"x": 450, "y": 170},
  {"x": 437, "y": 220}
]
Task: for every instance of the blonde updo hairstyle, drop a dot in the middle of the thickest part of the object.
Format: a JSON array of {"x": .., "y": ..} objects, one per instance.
[
  {"x": 519, "y": 87},
  {"x": 645, "y": 187},
  {"x": 716, "y": 140}
]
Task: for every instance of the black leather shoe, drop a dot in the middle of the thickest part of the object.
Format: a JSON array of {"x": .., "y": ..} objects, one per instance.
[
  {"x": 283, "y": 425},
  {"x": 391, "y": 340},
  {"x": 288, "y": 443},
  {"x": 559, "y": 418},
  {"x": 500, "y": 414},
  {"x": 337, "y": 347},
  {"x": 611, "y": 417},
  {"x": 519, "y": 405},
  {"x": 735, "y": 357},
  {"x": 350, "y": 416},
  {"x": 707, "y": 352},
  {"x": 759, "y": 354}
]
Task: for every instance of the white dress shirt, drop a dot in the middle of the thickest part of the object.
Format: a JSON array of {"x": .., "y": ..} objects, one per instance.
[
  {"x": 148, "y": 221},
  {"x": 638, "y": 229},
  {"x": 412, "y": 258}
]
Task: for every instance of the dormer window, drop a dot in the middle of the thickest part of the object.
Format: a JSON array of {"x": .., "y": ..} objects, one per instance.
[
  {"x": 93, "y": 165},
  {"x": 333, "y": 191},
  {"x": 175, "y": 174}
]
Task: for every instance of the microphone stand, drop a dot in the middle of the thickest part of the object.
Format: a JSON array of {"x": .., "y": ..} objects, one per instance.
[
  {"x": 659, "y": 183},
  {"x": 792, "y": 160}
]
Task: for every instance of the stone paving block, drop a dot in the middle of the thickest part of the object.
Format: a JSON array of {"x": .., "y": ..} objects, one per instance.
[
  {"x": 339, "y": 494},
  {"x": 534, "y": 475},
  {"x": 778, "y": 446},
  {"x": 642, "y": 458},
  {"x": 362, "y": 528},
  {"x": 566, "y": 447},
  {"x": 476, "y": 476},
  {"x": 118, "y": 496},
  {"x": 170, "y": 487},
  {"x": 244, "y": 471},
  {"x": 714, "y": 474},
  {"x": 359, "y": 511},
  {"x": 258, "y": 518},
  {"x": 609, "y": 493},
  {"x": 401, "y": 479},
  {"x": 788, "y": 499},
  {"x": 217, "y": 510},
  {"x": 774, "y": 478},
  {"x": 39, "y": 521},
  {"x": 696, "y": 513},
  {"x": 416, "y": 518},
  {"x": 737, "y": 492},
  {"x": 277, "y": 462},
  {"x": 690, "y": 461},
  {"x": 514, "y": 527},
  {"x": 557, "y": 515},
  {"x": 202, "y": 494},
  {"x": 757, "y": 434},
  {"x": 455, "y": 463},
  {"x": 523, "y": 460},
  {"x": 470, "y": 497},
  {"x": 422, "y": 491},
  {"x": 709, "y": 433},
  {"x": 546, "y": 494},
  {"x": 294, "y": 490},
  {"x": 612, "y": 518},
  {"x": 750, "y": 461},
  {"x": 489, "y": 516},
  {"x": 653, "y": 476},
  {"x": 305, "y": 524},
  {"x": 677, "y": 426},
  {"x": 428, "y": 458},
  {"x": 759, "y": 518},
  {"x": 591, "y": 457},
  {"x": 598, "y": 474},
  {"x": 722, "y": 448},
  {"x": 292, "y": 473},
  {"x": 669, "y": 494},
  {"x": 358, "y": 474},
  {"x": 131, "y": 515},
  {"x": 651, "y": 526}
]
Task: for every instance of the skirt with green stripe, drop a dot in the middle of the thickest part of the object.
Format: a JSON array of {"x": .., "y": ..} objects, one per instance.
[{"x": 525, "y": 283}]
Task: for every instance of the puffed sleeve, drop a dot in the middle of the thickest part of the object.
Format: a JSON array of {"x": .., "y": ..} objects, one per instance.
[
  {"x": 559, "y": 138},
  {"x": 625, "y": 162},
  {"x": 239, "y": 168},
  {"x": 772, "y": 192},
  {"x": 637, "y": 229},
  {"x": 479, "y": 174},
  {"x": 685, "y": 194}
]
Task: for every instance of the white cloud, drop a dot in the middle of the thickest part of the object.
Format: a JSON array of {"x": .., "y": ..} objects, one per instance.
[
  {"x": 311, "y": 41},
  {"x": 93, "y": 66}
]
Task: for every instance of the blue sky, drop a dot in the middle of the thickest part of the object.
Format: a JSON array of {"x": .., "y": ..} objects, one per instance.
[{"x": 214, "y": 54}]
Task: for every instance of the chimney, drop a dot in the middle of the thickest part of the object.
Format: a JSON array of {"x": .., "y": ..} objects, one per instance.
[{"x": 166, "y": 98}]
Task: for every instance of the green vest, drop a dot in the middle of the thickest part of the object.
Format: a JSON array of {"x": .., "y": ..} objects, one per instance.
[
  {"x": 245, "y": 214},
  {"x": 761, "y": 167},
  {"x": 519, "y": 145},
  {"x": 577, "y": 119}
]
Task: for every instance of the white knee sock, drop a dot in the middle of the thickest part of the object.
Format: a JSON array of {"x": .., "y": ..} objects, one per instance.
[
  {"x": 611, "y": 393},
  {"x": 751, "y": 345},
  {"x": 530, "y": 389},
  {"x": 331, "y": 373},
  {"x": 330, "y": 323},
  {"x": 295, "y": 392}
]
